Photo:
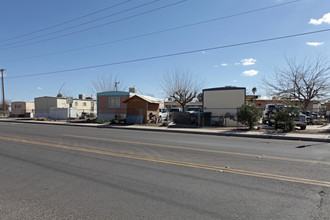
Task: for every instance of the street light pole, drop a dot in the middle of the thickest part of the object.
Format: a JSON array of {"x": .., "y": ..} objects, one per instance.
[{"x": 3, "y": 93}]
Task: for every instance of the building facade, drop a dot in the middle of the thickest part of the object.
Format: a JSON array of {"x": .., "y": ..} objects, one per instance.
[
  {"x": 22, "y": 109},
  {"x": 111, "y": 105},
  {"x": 44, "y": 104}
]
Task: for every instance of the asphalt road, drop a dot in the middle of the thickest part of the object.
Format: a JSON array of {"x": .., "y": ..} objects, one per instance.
[{"x": 60, "y": 172}]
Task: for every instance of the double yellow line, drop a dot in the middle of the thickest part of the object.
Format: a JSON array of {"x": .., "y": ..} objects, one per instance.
[{"x": 172, "y": 162}]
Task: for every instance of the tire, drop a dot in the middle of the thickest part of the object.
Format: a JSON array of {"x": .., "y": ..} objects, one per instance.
[{"x": 302, "y": 127}]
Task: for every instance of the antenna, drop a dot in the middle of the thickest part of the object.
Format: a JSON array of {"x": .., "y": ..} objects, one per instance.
[
  {"x": 59, "y": 91},
  {"x": 116, "y": 85}
]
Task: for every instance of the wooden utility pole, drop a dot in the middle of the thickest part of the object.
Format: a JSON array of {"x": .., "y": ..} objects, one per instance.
[{"x": 3, "y": 93}]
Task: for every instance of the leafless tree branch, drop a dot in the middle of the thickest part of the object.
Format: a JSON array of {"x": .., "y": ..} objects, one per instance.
[
  {"x": 303, "y": 81},
  {"x": 181, "y": 85},
  {"x": 106, "y": 83}
]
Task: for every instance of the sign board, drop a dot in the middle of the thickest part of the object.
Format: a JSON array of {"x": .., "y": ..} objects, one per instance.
[{"x": 69, "y": 100}]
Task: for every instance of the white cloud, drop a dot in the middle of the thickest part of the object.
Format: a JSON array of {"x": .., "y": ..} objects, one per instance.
[
  {"x": 315, "y": 44},
  {"x": 39, "y": 88},
  {"x": 203, "y": 52},
  {"x": 250, "y": 72},
  {"x": 248, "y": 62},
  {"x": 224, "y": 64},
  {"x": 235, "y": 81},
  {"x": 236, "y": 64},
  {"x": 324, "y": 19},
  {"x": 215, "y": 66}
]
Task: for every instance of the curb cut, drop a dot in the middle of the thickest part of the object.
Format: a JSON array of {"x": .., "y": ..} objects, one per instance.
[{"x": 224, "y": 134}]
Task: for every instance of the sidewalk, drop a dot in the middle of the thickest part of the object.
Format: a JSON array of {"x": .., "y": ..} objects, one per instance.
[{"x": 324, "y": 137}]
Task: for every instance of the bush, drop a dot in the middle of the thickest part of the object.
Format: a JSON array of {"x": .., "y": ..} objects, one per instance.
[
  {"x": 284, "y": 118},
  {"x": 249, "y": 114}
]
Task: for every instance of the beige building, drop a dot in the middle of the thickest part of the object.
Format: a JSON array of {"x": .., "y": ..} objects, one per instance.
[
  {"x": 87, "y": 106},
  {"x": 44, "y": 104},
  {"x": 21, "y": 109},
  {"x": 223, "y": 101}
]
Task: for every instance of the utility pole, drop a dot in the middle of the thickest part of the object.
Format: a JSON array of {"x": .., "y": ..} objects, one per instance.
[{"x": 3, "y": 93}]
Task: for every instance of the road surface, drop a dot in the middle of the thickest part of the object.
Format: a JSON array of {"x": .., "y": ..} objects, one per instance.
[{"x": 61, "y": 172}]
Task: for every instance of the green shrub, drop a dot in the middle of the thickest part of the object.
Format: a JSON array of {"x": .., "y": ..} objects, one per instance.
[
  {"x": 249, "y": 114},
  {"x": 284, "y": 118}
]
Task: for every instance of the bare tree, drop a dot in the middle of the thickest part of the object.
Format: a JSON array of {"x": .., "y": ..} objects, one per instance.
[
  {"x": 301, "y": 81},
  {"x": 181, "y": 85},
  {"x": 106, "y": 83},
  {"x": 7, "y": 104}
]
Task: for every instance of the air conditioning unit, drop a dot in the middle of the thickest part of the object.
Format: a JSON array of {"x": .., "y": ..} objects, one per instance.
[
  {"x": 82, "y": 96},
  {"x": 132, "y": 90}
]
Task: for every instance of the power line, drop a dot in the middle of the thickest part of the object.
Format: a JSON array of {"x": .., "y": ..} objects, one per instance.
[
  {"x": 98, "y": 26},
  {"x": 82, "y": 24},
  {"x": 158, "y": 32},
  {"x": 173, "y": 54},
  {"x": 66, "y": 22}
]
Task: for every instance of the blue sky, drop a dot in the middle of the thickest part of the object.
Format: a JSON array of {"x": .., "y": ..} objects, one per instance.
[{"x": 237, "y": 66}]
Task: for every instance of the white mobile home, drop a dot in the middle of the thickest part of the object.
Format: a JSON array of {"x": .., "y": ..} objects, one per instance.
[{"x": 223, "y": 101}]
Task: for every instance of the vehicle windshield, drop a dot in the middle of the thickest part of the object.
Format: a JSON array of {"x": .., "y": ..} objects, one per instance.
[{"x": 193, "y": 109}]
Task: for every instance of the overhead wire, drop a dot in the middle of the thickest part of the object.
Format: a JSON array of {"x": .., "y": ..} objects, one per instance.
[
  {"x": 172, "y": 54},
  {"x": 82, "y": 24},
  {"x": 66, "y": 22},
  {"x": 158, "y": 32},
  {"x": 98, "y": 26}
]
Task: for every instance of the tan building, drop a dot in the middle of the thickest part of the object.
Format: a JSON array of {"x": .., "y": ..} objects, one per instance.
[
  {"x": 87, "y": 106},
  {"x": 21, "y": 109},
  {"x": 223, "y": 100},
  {"x": 43, "y": 105}
]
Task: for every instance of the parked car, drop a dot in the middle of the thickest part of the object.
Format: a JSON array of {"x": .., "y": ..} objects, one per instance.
[
  {"x": 270, "y": 112},
  {"x": 311, "y": 117},
  {"x": 265, "y": 115},
  {"x": 175, "y": 110},
  {"x": 163, "y": 114},
  {"x": 194, "y": 110},
  {"x": 300, "y": 119}
]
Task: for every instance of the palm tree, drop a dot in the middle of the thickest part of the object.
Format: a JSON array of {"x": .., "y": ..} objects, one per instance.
[{"x": 254, "y": 90}]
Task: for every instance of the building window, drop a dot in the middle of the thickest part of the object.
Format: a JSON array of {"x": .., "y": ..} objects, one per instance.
[
  {"x": 84, "y": 104},
  {"x": 17, "y": 106},
  {"x": 76, "y": 103},
  {"x": 114, "y": 102}
]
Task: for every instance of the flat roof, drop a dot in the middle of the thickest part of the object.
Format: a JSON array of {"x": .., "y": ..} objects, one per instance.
[
  {"x": 115, "y": 93},
  {"x": 224, "y": 88}
]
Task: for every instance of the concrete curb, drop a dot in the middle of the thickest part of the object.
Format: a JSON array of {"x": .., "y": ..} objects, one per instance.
[
  {"x": 216, "y": 133},
  {"x": 231, "y": 134}
]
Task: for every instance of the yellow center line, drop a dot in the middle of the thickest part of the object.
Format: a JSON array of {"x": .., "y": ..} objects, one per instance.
[
  {"x": 202, "y": 150},
  {"x": 172, "y": 162}
]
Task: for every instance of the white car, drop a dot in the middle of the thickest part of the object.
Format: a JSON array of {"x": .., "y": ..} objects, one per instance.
[
  {"x": 163, "y": 114},
  {"x": 194, "y": 110}
]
